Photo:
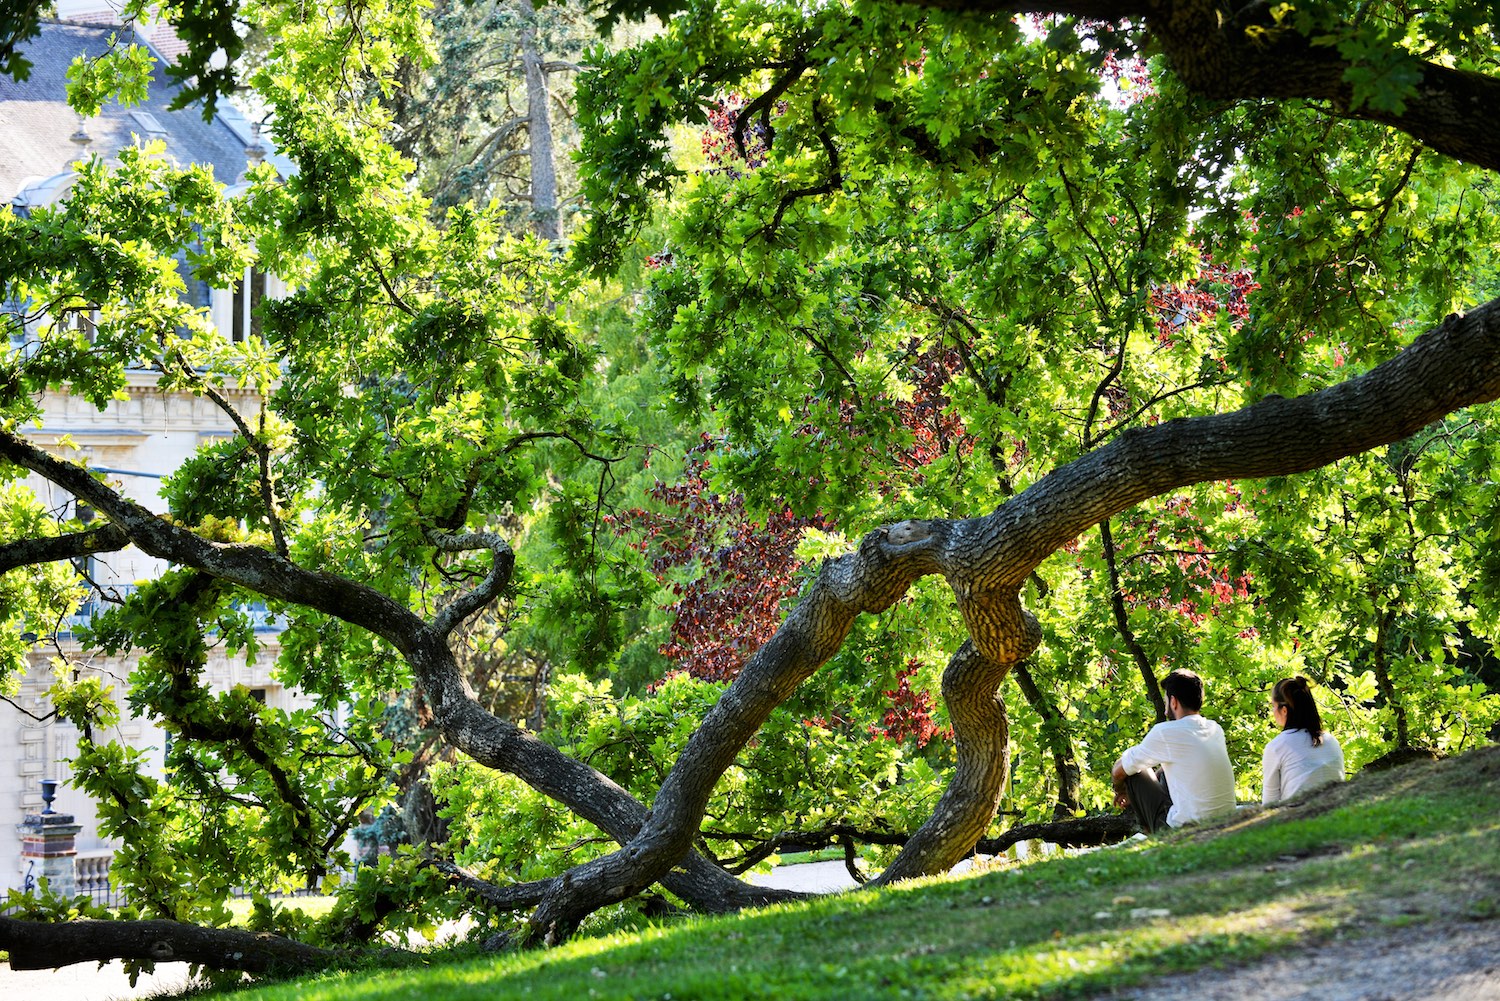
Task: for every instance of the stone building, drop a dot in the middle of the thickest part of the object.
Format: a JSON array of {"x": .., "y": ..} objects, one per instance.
[{"x": 135, "y": 440}]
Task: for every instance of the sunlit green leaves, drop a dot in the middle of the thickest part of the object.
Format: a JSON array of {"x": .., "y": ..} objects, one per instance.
[{"x": 123, "y": 74}]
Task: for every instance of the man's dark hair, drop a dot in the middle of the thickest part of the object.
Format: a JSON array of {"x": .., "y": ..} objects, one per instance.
[
  {"x": 1184, "y": 686},
  {"x": 1301, "y": 709}
]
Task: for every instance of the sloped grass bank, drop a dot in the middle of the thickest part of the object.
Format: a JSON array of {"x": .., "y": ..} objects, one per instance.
[{"x": 1403, "y": 847}]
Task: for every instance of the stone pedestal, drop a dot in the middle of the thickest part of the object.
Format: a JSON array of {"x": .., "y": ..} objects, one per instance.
[{"x": 47, "y": 850}]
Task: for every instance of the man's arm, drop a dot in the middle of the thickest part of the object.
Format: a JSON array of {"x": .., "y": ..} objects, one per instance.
[
  {"x": 1149, "y": 753},
  {"x": 1122, "y": 792}
]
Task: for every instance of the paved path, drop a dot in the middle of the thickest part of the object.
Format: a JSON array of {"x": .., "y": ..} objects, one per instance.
[
  {"x": 1441, "y": 961},
  {"x": 89, "y": 982},
  {"x": 810, "y": 877}
]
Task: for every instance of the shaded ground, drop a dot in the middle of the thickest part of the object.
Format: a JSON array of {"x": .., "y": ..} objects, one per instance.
[{"x": 1433, "y": 962}]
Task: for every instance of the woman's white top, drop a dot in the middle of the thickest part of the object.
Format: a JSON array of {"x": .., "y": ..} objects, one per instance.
[{"x": 1291, "y": 764}]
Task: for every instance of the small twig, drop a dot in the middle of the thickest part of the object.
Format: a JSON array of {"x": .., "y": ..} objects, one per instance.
[
  {"x": 257, "y": 445},
  {"x": 1157, "y": 553},
  {"x": 385, "y": 283},
  {"x": 529, "y": 436},
  {"x": 22, "y": 709},
  {"x": 827, "y": 352},
  {"x": 1129, "y": 418}
]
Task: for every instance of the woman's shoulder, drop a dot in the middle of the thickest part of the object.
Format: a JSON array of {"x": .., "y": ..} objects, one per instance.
[{"x": 1290, "y": 739}]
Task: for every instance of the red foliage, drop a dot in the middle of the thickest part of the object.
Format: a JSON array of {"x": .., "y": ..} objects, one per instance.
[
  {"x": 1133, "y": 70},
  {"x": 1215, "y": 288},
  {"x": 934, "y": 428},
  {"x": 745, "y": 569},
  {"x": 724, "y": 156},
  {"x": 910, "y": 714},
  {"x": 1176, "y": 529}
]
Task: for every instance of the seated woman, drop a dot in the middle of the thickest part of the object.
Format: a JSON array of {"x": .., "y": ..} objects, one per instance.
[{"x": 1302, "y": 756}]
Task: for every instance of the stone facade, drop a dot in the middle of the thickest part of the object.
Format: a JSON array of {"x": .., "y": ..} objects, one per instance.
[
  {"x": 139, "y": 439},
  {"x": 135, "y": 441}
]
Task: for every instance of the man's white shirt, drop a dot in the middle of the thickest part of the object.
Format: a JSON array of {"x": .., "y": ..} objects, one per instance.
[{"x": 1192, "y": 754}]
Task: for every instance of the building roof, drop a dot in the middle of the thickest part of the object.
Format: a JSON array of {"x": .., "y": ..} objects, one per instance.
[{"x": 36, "y": 124}]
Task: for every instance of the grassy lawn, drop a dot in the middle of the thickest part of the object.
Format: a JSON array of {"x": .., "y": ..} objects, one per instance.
[{"x": 1390, "y": 849}]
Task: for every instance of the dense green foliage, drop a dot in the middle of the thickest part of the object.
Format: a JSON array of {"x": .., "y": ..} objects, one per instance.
[
  {"x": 800, "y": 778},
  {"x": 975, "y": 248}
]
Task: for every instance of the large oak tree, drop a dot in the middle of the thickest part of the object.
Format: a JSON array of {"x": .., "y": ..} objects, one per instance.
[{"x": 951, "y": 173}]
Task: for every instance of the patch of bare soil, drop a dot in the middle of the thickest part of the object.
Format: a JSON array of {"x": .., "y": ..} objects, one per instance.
[{"x": 1433, "y": 962}]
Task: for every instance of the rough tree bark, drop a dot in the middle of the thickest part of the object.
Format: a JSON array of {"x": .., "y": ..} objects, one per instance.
[
  {"x": 985, "y": 560},
  {"x": 491, "y": 741},
  {"x": 539, "y": 129},
  {"x": 35, "y": 945},
  {"x": 1237, "y": 51},
  {"x": 981, "y": 733},
  {"x": 1082, "y": 832},
  {"x": 1218, "y": 51}
]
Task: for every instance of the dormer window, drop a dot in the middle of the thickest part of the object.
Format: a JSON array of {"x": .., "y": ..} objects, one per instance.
[
  {"x": 235, "y": 311},
  {"x": 85, "y": 321},
  {"x": 148, "y": 125},
  {"x": 248, "y": 293}
]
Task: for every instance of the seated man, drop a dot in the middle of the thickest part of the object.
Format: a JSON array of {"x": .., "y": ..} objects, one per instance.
[{"x": 1199, "y": 782}]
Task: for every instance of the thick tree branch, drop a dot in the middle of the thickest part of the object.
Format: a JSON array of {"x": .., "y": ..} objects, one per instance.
[
  {"x": 987, "y": 559},
  {"x": 1454, "y": 365},
  {"x": 1084, "y": 832},
  {"x": 870, "y": 580},
  {"x": 514, "y": 897},
  {"x": 763, "y": 104},
  {"x": 1238, "y": 52},
  {"x": 503, "y": 564},
  {"x": 74, "y": 545},
  {"x": 490, "y": 741},
  {"x": 981, "y": 732},
  {"x": 37, "y": 945}
]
